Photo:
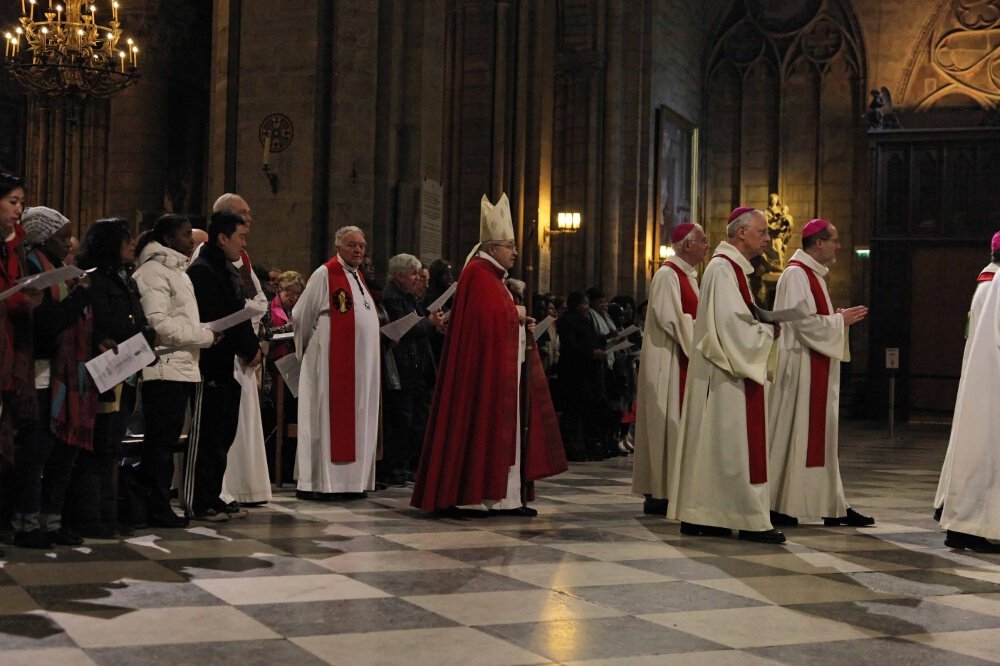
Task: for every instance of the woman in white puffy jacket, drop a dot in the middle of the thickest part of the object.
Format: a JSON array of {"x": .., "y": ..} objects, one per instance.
[{"x": 172, "y": 383}]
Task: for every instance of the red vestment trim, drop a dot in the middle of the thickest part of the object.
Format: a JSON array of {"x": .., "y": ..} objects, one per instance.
[
  {"x": 754, "y": 395},
  {"x": 819, "y": 380},
  {"x": 985, "y": 276},
  {"x": 341, "y": 359},
  {"x": 689, "y": 306}
]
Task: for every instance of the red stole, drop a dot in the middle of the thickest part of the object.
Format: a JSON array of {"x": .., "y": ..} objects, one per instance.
[
  {"x": 985, "y": 276},
  {"x": 689, "y": 306},
  {"x": 819, "y": 380},
  {"x": 754, "y": 396},
  {"x": 341, "y": 360}
]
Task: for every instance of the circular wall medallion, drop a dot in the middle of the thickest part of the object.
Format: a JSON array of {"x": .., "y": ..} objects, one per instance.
[{"x": 279, "y": 128}]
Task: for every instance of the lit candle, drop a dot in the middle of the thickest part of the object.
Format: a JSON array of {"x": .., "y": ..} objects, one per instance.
[
  {"x": 59, "y": 9},
  {"x": 32, "y": 3},
  {"x": 135, "y": 56},
  {"x": 24, "y": 10},
  {"x": 6, "y": 47},
  {"x": 114, "y": 10},
  {"x": 267, "y": 148},
  {"x": 121, "y": 56}
]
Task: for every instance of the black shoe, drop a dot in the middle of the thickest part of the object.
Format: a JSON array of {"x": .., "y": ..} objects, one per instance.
[
  {"x": 34, "y": 539},
  {"x": 66, "y": 537},
  {"x": 232, "y": 508},
  {"x": 456, "y": 513},
  {"x": 782, "y": 520},
  {"x": 349, "y": 496},
  {"x": 253, "y": 505},
  {"x": 211, "y": 516},
  {"x": 98, "y": 531},
  {"x": 963, "y": 541},
  {"x": 654, "y": 507},
  {"x": 853, "y": 519},
  {"x": 522, "y": 511},
  {"x": 937, "y": 513},
  {"x": 693, "y": 529},
  {"x": 767, "y": 536},
  {"x": 125, "y": 530},
  {"x": 171, "y": 520}
]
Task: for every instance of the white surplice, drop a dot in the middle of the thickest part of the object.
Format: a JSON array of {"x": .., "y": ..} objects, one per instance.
[
  {"x": 797, "y": 490},
  {"x": 311, "y": 323},
  {"x": 710, "y": 484},
  {"x": 247, "y": 479},
  {"x": 668, "y": 333},
  {"x": 975, "y": 312},
  {"x": 971, "y": 494}
]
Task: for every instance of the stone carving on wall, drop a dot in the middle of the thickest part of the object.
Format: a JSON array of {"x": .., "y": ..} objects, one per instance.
[
  {"x": 881, "y": 114},
  {"x": 957, "y": 59}
]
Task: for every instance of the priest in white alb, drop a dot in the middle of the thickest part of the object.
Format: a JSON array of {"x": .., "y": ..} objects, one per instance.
[
  {"x": 804, "y": 400},
  {"x": 975, "y": 311},
  {"x": 720, "y": 480},
  {"x": 968, "y": 495},
  {"x": 337, "y": 341},
  {"x": 663, "y": 363}
]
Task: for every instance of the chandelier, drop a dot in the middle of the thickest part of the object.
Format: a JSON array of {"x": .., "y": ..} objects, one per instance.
[{"x": 65, "y": 52}]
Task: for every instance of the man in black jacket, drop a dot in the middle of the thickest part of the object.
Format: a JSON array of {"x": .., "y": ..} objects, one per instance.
[
  {"x": 406, "y": 409},
  {"x": 217, "y": 288}
]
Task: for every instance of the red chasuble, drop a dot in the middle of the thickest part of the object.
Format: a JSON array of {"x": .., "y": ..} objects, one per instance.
[
  {"x": 689, "y": 306},
  {"x": 754, "y": 396},
  {"x": 341, "y": 359},
  {"x": 819, "y": 380},
  {"x": 471, "y": 438}
]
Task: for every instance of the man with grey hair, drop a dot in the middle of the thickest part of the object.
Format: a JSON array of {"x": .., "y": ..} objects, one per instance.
[
  {"x": 337, "y": 340},
  {"x": 247, "y": 480},
  {"x": 720, "y": 479},
  {"x": 406, "y": 408}
]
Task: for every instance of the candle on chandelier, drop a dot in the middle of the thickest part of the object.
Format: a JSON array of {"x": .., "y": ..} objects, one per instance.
[
  {"x": 6, "y": 45},
  {"x": 114, "y": 10},
  {"x": 32, "y": 3},
  {"x": 121, "y": 56},
  {"x": 135, "y": 56},
  {"x": 24, "y": 10},
  {"x": 59, "y": 9}
]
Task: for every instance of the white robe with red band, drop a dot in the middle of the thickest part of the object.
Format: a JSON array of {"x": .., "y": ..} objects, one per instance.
[
  {"x": 798, "y": 489},
  {"x": 667, "y": 336},
  {"x": 711, "y": 482},
  {"x": 312, "y": 319},
  {"x": 972, "y": 490},
  {"x": 975, "y": 312}
]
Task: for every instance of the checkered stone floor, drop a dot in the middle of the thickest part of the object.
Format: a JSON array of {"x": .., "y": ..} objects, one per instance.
[{"x": 589, "y": 581}]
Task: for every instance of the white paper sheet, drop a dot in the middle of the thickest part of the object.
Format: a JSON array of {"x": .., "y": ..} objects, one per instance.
[
  {"x": 110, "y": 369},
  {"x": 623, "y": 333},
  {"x": 624, "y": 344},
  {"x": 7, "y": 293},
  {"x": 289, "y": 367},
  {"x": 443, "y": 298},
  {"x": 220, "y": 325},
  {"x": 397, "y": 329},
  {"x": 543, "y": 326},
  {"x": 282, "y": 336},
  {"x": 44, "y": 280}
]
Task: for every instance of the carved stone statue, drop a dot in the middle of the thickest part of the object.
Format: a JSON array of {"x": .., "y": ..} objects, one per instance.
[
  {"x": 881, "y": 114},
  {"x": 770, "y": 263}
]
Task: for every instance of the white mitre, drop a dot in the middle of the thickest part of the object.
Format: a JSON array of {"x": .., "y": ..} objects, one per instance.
[{"x": 495, "y": 223}]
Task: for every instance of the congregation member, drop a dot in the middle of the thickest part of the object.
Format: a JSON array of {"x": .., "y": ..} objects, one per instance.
[
  {"x": 247, "y": 480},
  {"x": 613, "y": 375},
  {"x": 441, "y": 275},
  {"x": 173, "y": 383},
  {"x": 272, "y": 285},
  {"x": 62, "y": 423},
  {"x": 803, "y": 403},
  {"x": 663, "y": 363},
  {"x": 719, "y": 482},
  {"x": 405, "y": 410},
  {"x": 975, "y": 312},
  {"x": 474, "y": 453},
  {"x": 337, "y": 340},
  {"x": 967, "y": 490},
  {"x": 109, "y": 250},
  {"x": 218, "y": 292},
  {"x": 579, "y": 375}
]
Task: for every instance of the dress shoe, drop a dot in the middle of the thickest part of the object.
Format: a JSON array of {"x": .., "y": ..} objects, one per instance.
[
  {"x": 782, "y": 520},
  {"x": 33, "y": 539},
  {"x": 654, "y": 507},
  {"x": 98, "y": 531},
  {"x": 171, "y": 521},
  {"x": 693, "y": 529},
  {"x": 66, "y": 537},
  {"x": 963, "y": 541},
  {"x": 853, "y": 519},
  {"x": 457, "y": 513},
  {"x": 522, "y": 511},
  {"x": 211, "y": 516},
  {"x": 767, "y": 536},
  {"x": 937, "y": 513}
]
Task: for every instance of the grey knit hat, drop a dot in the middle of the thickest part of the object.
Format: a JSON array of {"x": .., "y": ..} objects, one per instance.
[{"x": 41, "y": 224}]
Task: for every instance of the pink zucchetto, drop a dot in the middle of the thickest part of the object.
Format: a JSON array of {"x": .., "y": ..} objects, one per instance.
[
  {"x": 814, "y": 227},
  {"x": 680, "y": 232},
  {"x": 995, "y": 244},
  {"x": 739, "y": 211}
]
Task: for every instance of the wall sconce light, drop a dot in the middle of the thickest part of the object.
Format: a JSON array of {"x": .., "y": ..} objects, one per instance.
[
  {"x": 665, "y": 253},
  {"x": 567, "y": 222}
]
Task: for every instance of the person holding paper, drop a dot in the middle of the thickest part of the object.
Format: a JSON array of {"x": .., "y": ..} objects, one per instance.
[
  {"x": 720, "y": 478},
  {"x": 217, "y": 289},
  {"x": 406, "y": 408},
  {"x": 804, "y": 400},
  {"x": 47, "y": 445},
  {"x": 173, "y": 383},
  {"x": 337, "y": 339},
  {"x": 474, "y": 451},
  {"x": 278, "y": 320},
  {"x": 247, "y": 480},
  {"x": 663, "y": 365}
]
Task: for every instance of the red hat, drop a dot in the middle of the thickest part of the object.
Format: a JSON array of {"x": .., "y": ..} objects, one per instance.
[
  {"x": 995, "y": 243},
  {"x": 739, "y": 211},
  {"x": 814, "y": 227},
  {"x": 680, "y": 232}
]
